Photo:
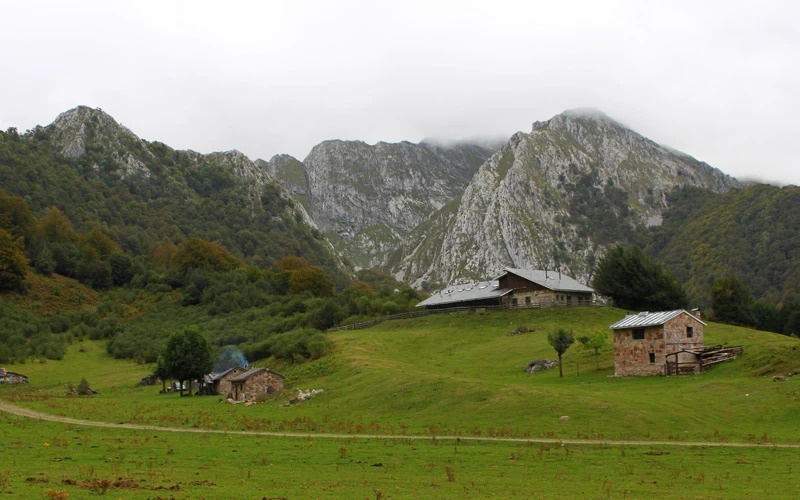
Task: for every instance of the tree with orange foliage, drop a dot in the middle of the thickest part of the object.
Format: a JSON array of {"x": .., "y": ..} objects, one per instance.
[
  {"x": 197, "y": 253},
  {"x": 301, "y": 276}
]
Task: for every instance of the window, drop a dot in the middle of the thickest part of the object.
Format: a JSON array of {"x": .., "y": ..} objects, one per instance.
[
  {"x": 638, "y": 334},
  {"x": 528, "y": 299},
  {"x": 514, "y": 301},
  {"x": 689, "y": 331},
  {"x": 652, "y": 357}
]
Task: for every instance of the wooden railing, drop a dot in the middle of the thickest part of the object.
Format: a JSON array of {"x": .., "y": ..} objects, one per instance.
[
  {"x": 709, "y": 356},
  {"x": 713, "y": 355}
]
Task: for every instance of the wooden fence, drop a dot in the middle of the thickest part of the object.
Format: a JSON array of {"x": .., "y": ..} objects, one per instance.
[{"x": 709, "y": 356}]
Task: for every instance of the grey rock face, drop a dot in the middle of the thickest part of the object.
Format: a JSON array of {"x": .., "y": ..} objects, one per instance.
[
  {"x": 81, "y": 127},
  {"x": 367, "y": 198},
  {"x": 555, "y": 197}
]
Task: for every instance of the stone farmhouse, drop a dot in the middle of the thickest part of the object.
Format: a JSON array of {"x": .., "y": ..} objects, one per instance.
[
  {"x": 256, "y": 382},
  {"x": 658, "y": 343},
  {"x": 514, "y": 288}
]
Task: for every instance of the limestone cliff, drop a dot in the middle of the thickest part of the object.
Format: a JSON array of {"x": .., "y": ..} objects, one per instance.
[{"x": 554, "y": 197}]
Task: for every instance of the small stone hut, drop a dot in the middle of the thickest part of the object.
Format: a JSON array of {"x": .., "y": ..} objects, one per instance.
[
  {"x": 643, "y": 342},
  {"x": 220, "y": 383},
  {"x": 252, "y": 383}
]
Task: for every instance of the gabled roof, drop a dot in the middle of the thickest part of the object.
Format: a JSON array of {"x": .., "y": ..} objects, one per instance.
[
  {"x": 214, "y": 376},
  {"x": 550, "y": 279},
  {"x": 221, "y": 366},
  {"x": 649, "y": 319},
  {"x": 468, "y": 292},
  {"x": 249, "y": 373}
]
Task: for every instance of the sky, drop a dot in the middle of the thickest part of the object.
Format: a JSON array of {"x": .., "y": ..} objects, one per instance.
[{"x": 717, "y": 80}]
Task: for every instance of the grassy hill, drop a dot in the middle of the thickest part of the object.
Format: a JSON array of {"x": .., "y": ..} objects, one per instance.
[
  {"x": 463, "y": 374},
  {"x": 438, "y": 375}
]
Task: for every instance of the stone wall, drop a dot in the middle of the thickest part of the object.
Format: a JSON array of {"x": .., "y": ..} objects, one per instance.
[
  {"x": 265, "y": 382},
  {"x": 677, "y": 339},
  {"x": 546, "y": 297},
  {"x": 224, "y": 384},
  {"x": 632, "y": 357}
]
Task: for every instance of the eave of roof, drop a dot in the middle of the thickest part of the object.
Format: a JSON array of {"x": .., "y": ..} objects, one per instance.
[
  {"x": 255, "y": 371},
  {"x": 468, "y": 292},
  {"x": 558, "y": 282}
]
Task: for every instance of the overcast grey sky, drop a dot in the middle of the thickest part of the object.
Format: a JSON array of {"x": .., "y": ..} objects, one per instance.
[{"x": 717, "y": 80}]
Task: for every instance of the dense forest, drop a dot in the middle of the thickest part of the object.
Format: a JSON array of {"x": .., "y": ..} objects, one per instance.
[
  {"x": 752, "y": 233},
  {"x": 180, "y": 195},
  {"x": 185, "y": 244}
]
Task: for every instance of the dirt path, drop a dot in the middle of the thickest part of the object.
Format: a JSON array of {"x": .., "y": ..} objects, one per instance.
[{"x": 27, "y": 413}]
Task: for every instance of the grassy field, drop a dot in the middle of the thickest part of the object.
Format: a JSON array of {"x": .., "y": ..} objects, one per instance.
[
  {"x": 438, "y": 375},
  {"x": 45, "y": 460}
]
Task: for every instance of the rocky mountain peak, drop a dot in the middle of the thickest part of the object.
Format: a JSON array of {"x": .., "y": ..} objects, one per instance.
[
  {"x": 73, "y": 129},
  {"x": 556, "y": 197}
]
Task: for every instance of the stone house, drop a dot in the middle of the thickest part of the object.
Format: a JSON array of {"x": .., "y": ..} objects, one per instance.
[
  {"x": 220, "y": 382},
  {"x": 256, "y": 382},
  {"x": 514, "y": 288},
  {"x": 531, "y": 287},
  {"x": 644, "y": 343}
]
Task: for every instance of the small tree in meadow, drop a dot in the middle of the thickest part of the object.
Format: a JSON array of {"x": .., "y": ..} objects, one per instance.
[
  {"x": 593, "y": 343},
  {"x": 561, "y": 339}
]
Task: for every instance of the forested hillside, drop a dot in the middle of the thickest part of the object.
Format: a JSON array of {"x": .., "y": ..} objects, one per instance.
[
  {"x": 175, "y": 195},
  {"x": 752, "y": 233},
  {"x": 165, "y": 238}
]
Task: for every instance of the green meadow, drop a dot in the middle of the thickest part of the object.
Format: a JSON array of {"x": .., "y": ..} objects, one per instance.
[{"x": 436, "y": 376}]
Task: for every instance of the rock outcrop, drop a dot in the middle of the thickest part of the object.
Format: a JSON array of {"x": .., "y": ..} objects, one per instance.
[{"x": 367, "y": 198}]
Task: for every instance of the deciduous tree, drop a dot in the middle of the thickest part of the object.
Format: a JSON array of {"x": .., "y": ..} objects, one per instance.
[
  {"x": 187, "y": 356},
  {"x": 731, "y": 301},
  {"x": 561, "y": 339},
  {"x": 13, "y": 263},
  {"x": 197, "y": 253}
]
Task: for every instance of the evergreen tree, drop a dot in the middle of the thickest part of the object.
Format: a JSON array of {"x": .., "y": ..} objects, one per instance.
[{"x": 635, "y": 281}]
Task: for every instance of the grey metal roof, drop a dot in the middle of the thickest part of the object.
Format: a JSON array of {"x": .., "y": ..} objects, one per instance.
[
  {"x": 468, "y": 292},
  {"x": 649, "y": 319},
  {"x": 551, "y": 280},
  {"x": 249, "y": 373},
  {"x": 214, "y": 376}
]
